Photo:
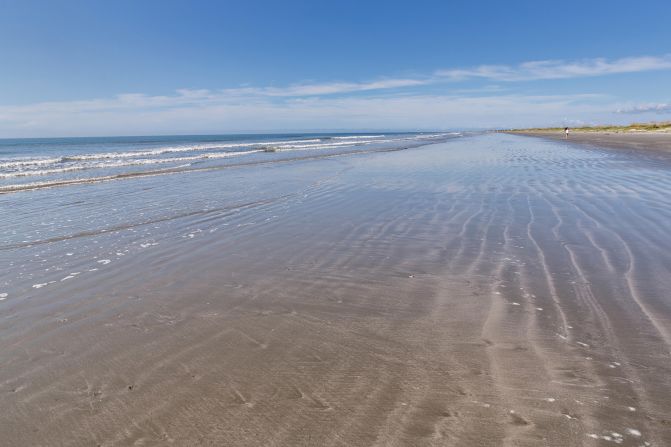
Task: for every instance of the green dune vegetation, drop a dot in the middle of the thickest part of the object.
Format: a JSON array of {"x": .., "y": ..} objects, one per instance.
[{"x": 661, "y": 126}]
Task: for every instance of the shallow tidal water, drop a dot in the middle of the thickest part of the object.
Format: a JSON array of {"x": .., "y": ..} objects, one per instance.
[{"x": 486, "y": 290}]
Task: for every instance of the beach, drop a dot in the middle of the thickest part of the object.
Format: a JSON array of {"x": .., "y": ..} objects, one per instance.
[
  {"x": 653, "y": 142},
  {"x": 480, "y": 290}
]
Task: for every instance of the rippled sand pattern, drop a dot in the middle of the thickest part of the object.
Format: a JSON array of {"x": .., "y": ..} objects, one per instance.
[{"x": 492, "y": 290}]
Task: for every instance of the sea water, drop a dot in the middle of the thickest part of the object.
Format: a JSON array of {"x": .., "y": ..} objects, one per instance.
[{"x": 48, "y": 162}]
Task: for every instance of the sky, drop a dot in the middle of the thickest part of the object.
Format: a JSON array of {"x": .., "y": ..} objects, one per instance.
[{"x": 144, "y": 67}]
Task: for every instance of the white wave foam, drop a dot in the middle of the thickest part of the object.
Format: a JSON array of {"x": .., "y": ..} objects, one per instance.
[
  {"x": 76, "y": 181},
  {"x": 21, "y": 162},
  {"x": 120, "y": 164},
  {"x": 16, "y": 163},
  {"x": 115, "y": 162},
  {"x": 355, "y": 137},
  {"x": 324, "y": 145},
  {"x": 30, "y": 166},
  {"x": 318, "y": 143}
]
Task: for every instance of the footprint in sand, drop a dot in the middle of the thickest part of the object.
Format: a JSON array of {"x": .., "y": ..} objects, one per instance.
[{"x": 517, "y": 419}]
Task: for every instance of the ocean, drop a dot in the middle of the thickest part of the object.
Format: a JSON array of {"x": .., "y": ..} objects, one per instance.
[
  {"x": 48, "y": 162},
  {"x": 75, "y": 204}
]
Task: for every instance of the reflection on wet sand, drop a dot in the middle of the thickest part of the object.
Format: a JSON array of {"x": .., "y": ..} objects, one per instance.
[{"x": 492, "y": 290}]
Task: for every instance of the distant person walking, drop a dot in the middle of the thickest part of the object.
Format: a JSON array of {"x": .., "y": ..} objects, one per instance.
[{"x": 566, "y": 133}]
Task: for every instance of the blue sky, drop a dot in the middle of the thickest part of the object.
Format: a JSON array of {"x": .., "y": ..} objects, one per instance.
[{"x": 159, "y": 67}]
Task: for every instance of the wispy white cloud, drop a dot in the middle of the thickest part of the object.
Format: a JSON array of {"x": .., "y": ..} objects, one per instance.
[
  {"x": 527, "y": 71},
  {"x": 320, "y": 89},
  {"x": 647, "y": 108},
  {"x": 384, "y": 103},
  {"x": 559, "y": 69},
  {"x": 142, "y": 114}
]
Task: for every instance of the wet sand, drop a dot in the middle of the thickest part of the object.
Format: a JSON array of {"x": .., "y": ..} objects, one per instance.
[
  {"x": 653, "y": 142},
  {"x": 491, "y": 290}
]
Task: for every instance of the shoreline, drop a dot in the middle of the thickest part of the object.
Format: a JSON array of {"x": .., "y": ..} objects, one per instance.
[
  {"x": 13, "y": 178},
  {"x": 652, "y": 142}
]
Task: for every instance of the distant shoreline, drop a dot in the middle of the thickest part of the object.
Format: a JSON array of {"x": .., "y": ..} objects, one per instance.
[
  {"x": 658, "y": 142},
  {"x": 653, "y": 126}
]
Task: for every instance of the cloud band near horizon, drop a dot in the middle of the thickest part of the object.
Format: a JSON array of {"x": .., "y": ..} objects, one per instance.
[{"x": 300, "y": 103}]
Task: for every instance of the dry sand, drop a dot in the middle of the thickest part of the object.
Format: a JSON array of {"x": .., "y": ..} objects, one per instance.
[{"x": 489, "y": 291}]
